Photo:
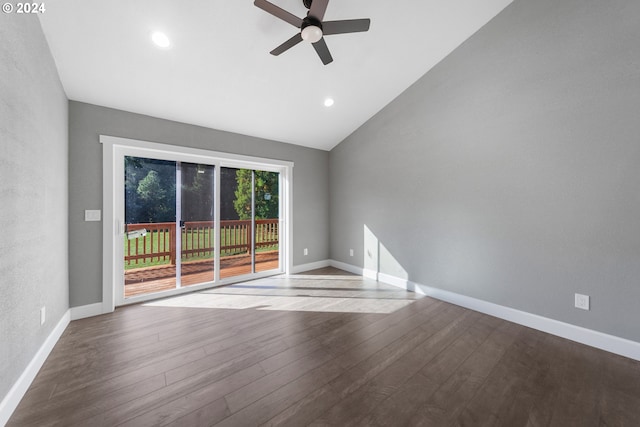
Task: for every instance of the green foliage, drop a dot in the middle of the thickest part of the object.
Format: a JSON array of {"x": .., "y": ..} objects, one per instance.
[
  {"x": 242, "y": 203},
  {"x": 153, "y": 199},
  {"x": 149, "y": 190},
  {"x": 266, "y": 194}
]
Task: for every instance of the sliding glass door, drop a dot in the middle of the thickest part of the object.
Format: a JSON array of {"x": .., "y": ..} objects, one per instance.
[
  {"x": 267, "y": 220},
  {"x": 171, "y": 238},
  {"x": 169, "y": 215},
  {"x": 249, "y": 221},
  {"x": 235, "y": 229},
  {"x": 150, "y": 230},
  {"x": 197, "y": 227}
]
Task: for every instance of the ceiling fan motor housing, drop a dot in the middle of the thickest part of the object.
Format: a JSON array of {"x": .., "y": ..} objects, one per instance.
[{"x": 310, "y": 21}]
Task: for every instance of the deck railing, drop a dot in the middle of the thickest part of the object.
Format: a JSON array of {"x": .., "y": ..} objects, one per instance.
[{"x": 158, "y": 246}]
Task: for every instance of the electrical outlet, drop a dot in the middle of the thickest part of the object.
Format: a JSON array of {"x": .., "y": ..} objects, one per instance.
[
  {"x": 306, "y": 251},
  {"x": 582, "y": 301},
  {"x": 350, "y": 252},
  {"x": 43, "y": 315}
]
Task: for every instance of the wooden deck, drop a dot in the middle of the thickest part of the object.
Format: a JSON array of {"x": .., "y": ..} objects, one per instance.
[{"x": 148, "y": 280}]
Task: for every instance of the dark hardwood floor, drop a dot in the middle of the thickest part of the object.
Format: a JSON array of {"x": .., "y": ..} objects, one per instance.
[{"x": 322, "y": 348}]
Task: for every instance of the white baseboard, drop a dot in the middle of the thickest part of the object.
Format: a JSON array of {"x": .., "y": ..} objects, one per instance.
[
  {"x": 610, "y": 343},
  {"x": 310, "y": 266},
  {"x": 346, "y": 267},
  {"x": 395, "y": 281},
  {"x": 16, "y": 393},
  {"x": 88, "y": 310},
  {"x": 370, "y": 274}
]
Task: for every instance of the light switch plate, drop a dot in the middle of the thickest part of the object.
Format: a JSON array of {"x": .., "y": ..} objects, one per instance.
[{"x": 92, "y": 215}]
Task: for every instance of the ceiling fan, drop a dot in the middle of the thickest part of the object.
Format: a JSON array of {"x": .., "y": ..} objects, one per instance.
[{"x": 312, "y": 27}]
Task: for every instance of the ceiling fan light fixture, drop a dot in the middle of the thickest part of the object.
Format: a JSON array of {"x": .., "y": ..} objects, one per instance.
[{"x": 311, "y": 34}]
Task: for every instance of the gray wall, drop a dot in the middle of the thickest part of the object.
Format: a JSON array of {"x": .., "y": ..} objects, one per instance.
[
  {"x": 511, "y": 171},
  {"x": 33, "y": 194},
  {"x": 87, "y": 122}
]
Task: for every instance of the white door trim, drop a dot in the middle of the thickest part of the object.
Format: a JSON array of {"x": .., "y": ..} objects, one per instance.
[{"x": 115, "y": 148}]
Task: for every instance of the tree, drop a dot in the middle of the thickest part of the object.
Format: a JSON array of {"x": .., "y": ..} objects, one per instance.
[
  {"x": 149, "y": 190},
  {"x": 132, "y": 167},
  {"x": 152, "y": 197},
  {"x": 266, "y": 194}
]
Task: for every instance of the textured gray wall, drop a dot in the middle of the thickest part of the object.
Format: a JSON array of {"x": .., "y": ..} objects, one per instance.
[
  {"x": 87, "y": 122},
  {"x": 510, "y": 172},
  {"x": 33, "y": 194}
]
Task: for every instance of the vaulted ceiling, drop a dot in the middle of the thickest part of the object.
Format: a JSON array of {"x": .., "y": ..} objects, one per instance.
[{"x": 218, "y": 73}]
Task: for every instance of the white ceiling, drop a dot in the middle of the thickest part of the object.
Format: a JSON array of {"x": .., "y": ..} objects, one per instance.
[{"x": 218, "y": 72}]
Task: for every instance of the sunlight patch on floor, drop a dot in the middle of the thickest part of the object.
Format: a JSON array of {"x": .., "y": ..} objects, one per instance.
[
  {"x": 299, "y": 293},
  {"x": 284, "y": 303}
]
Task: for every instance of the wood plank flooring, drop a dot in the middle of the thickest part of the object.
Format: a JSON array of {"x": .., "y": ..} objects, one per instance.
[{"x": 322, "y": 348}]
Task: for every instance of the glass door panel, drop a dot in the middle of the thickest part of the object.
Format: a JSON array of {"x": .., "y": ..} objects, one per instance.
[
  {"x": 235, "y": 222},
  {"x": 150, "y": 215},
  {"x": 267, "y": 220},
  {"x": 197, "y": 207},
  {"x": 171, "y": 229}
]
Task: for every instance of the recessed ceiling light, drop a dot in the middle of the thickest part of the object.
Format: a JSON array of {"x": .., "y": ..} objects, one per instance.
[
  {"x": 328, "y": 102},
  {"x": 160, "y": 39}
]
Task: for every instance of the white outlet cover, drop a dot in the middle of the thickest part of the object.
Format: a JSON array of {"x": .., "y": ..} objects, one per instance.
[
  {"x": 350, "y": 252},
  {"x": 582, "y": 301}
]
